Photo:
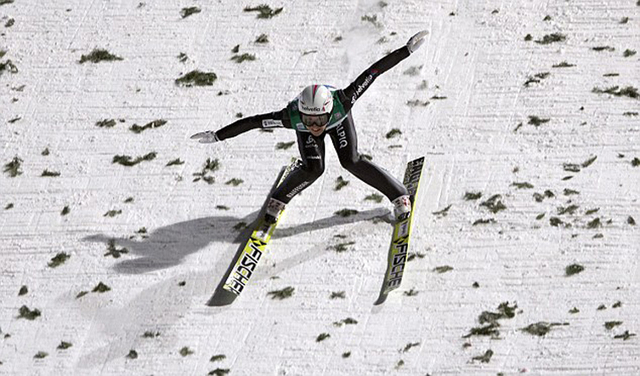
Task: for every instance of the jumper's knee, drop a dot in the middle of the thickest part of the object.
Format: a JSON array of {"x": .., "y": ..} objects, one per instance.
[
  {"x": 349, "y": 163},
  {"x": 314, "y": 169}
]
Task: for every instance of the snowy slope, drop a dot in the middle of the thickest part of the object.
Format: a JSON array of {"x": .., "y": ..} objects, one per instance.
[{"x": 477, "y": 138}]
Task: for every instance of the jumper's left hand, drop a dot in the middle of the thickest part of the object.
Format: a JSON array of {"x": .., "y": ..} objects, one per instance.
[{"x": 416, "y": 41}]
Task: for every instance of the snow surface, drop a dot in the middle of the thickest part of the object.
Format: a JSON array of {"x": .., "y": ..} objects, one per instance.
[{"x": 476, "y": 56}]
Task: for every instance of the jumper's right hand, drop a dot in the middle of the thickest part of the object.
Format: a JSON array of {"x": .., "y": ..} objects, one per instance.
[{"x": 206, "y": 137}]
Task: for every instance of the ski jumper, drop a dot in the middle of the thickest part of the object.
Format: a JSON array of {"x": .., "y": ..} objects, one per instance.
[{"x": 340, "y": 129}]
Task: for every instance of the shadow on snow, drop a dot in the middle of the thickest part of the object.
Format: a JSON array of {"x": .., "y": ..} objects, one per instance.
[{"x": 167, "y": 246}]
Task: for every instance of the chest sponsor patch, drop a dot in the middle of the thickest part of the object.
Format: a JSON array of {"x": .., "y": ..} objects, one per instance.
[{"x": 270, "y": 123}]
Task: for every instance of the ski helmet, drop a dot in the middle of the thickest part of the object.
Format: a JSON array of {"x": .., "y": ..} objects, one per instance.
[{"x": 315, "y": 104}]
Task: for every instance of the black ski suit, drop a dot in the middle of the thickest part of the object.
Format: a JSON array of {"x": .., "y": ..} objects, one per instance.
[{"x": 343, "y": 137}]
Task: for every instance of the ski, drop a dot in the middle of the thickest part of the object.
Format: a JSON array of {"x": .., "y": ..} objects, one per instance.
[
  {"x": 254, "y": 248},
  {"x": 399, "y": 247}
]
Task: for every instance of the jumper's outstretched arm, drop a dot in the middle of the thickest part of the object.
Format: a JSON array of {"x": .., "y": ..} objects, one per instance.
[
  {"x": 364, "y": 80},
  {"x": 268, "y": 120}
]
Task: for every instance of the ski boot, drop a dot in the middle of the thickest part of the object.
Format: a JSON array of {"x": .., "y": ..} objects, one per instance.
[
  {"x": 274, "y": 208},
  {"x": 401, "y": 208}
]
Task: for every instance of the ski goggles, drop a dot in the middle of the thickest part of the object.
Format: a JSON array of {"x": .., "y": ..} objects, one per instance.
[{"x": 315, "y": 120}]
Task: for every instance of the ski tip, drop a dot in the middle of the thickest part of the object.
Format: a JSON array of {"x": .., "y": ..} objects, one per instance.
[{"x": 381, "y": 299}]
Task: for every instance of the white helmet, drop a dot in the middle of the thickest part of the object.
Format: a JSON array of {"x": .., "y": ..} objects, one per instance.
[
  {"x": 315, "y": 104},
  {"x": 315, "y": 100}
]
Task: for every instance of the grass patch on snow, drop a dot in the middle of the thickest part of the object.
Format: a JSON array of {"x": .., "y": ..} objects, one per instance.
[
  {"x": 340, "y": 183},
  {"x": 483, "y": 222},
  {"x": 186, "y": 351},
  {"x": 58, "y": 260},
  {"x": 126, "y": 160},
  {"x": 625, "y": 336},
  {"x": 595, "y": 223},
  {"x": 217, "y": 358},
  {"x": 443, "y": 212},
  {"x": 8, "y": 66},
  {"x": 150, "y": 334},
  {"x": 541, "y": 328},
  {"x": 284, "y": 145},
  {"x": 112, "y": 250},
  {"x": 337, "y": 295},
  {"x": 64, "y": 345},
  {"x": 285, "y": 293},
  {"x": 505, "y": 311},
  {"x": 603, "y": 48},
  {"x": 470, "y": 196},
  {"x": 487, "y": 330},
  {"x": 557, "y": 222},
  {"x": 197, "y": 78},
  {"x": 570, "y": 192},
  {"x": 411, "y": 292},
  {"x": 374, "y": 197},
  {"x": 494, "y": 204},
  {"x": 628, "y": 91},
  {"x": 612, "y": 324},
  {"x": 573, "y": 269},
  {"x": 345, "y": 212},
  {"x": 262, "y": 39},
  {"x": 536, "y": 121},
  {"x": 372, "y": 20},
  {"x": 186, "y": 12},
  {"x": 235, "y": 182},
  {"x": 154, "y": 124},
  {"x": 571, "y": 209},
  {"x": 101, "y": 288},
  {"x": 347, "y": 321},
  {"x": 409, "y": 346},
  {"x": 412, "y": 256},
  {"x": 395, "y": 132},
  {"x": 240, "y": 226},
  {"x": 106, "y": 123},
  {"x": 418, "y": 103},
  {"x": 175, "y": 162},
  {"x": 341, "y": 247},
  {"x": 524, "y": 185},
  {"x": 25, "y": 313},
  {"x": 219, "y": 372},
  {"x": 264, "y": 11},
  {"x": 47, "y": 173},
  {"x": 536, "y": 78},
  {"x": 208, "y": 167},
  {"x": 552, "y": 38},
  {"x": 112, "y": 213},
  {"x": 244, "y": 57},
  {"x": 563, "y": 64},
  {"x": 13, "y": 168},
  {"x": 98, "y": 55},
  {"x": 485, "y": 358},
  {"x": 442, "y": 269}
]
